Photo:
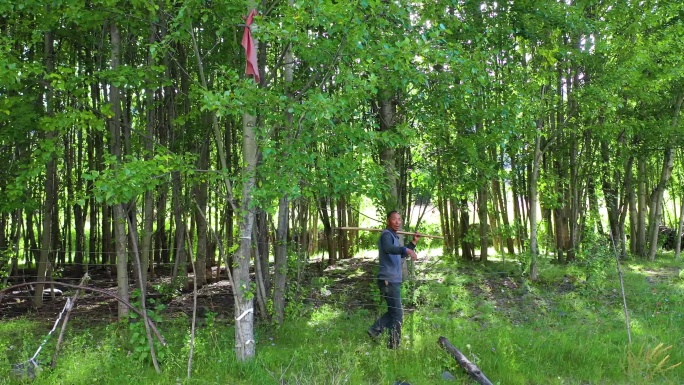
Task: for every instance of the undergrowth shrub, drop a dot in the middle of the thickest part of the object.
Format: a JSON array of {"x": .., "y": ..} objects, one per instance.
[
  {"x": 367, "y": 240},
  {"x": 595, "y": 259},
  {"x": 170, "y": 289},
  {"x": 5, "y": 364},
  {"x": 5, "y": 266},
  {"x": 524, "y": 258},
  {"x": 138, "y": 333},
  {"x": 295, "y": 306}
]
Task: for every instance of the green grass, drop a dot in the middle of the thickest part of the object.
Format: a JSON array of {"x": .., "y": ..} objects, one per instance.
[{"x": 516, "y": 331}]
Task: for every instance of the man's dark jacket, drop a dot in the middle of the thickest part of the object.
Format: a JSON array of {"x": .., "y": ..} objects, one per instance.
[{"x": 391, "y": 253}]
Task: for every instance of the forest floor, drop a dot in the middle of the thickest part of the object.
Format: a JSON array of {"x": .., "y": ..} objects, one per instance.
[
  {"x": 566, "y": 328},
  {"x": 350, "y": 284},
  {"x": 96, "y": 307}
]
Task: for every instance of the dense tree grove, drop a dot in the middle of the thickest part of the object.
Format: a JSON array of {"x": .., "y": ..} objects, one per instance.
[{"x": 528, "y": 124}]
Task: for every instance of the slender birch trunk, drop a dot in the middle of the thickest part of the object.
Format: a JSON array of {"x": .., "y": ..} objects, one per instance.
[{"x": 244, "y": 292}]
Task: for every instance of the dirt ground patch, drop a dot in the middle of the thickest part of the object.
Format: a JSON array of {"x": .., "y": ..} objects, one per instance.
[
  {"x": 349, "y": 284},
  {"x": 97, "y": 308}
]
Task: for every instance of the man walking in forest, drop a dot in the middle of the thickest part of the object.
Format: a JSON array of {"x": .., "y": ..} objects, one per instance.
[{"x": 389, "y": 279}]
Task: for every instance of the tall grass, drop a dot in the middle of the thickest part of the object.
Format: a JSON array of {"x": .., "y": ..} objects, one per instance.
[{"x": 559, "y": 330}]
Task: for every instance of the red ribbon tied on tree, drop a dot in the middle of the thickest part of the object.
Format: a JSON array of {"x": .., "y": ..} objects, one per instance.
[{"x": 250, "y": 50}]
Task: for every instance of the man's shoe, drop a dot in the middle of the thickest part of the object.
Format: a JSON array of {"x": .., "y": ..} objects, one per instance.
[{"x": 373, "y": 333}]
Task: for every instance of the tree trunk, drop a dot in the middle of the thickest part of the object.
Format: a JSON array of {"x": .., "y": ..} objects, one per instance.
[
  {"x": 4, "y": 245},
  {"x": 642, "y": 208},
  {"x": 79, "y": 211},
  {"x": 627, "y": 193},
  {"x": 280, "y": 252},
  {"x": 228, "y": 161},
  {"x": 92, "y": 204},
  {"x": 594, "y": 214},
  {"x": 180, "y": 262},
  {"x": 244, "y": 292},
  {"x": 575, "y": 207},
  {"x": 353, "y": 207},
  {"x": 162, "y": 249},
  {"x": 499, "y": 190},
  {"x": 465, "y": 222},
  {"x": 456, "y": 230},
  {"x": 403, "y": 189},
  {"x": 32, "y": 243},
  {"x": 263, "y": 245},
  {"x": 328, "y": 224},
  {"x": 680, "y": 228},
  {"x": 281, "y": 260},
  {"x": 482, "y": 216},
  {"x": 121, "y": 259},
  {"x": 148, "y": 200},
  {"x": 610, "y": 192},
  {"x": 307, "y": 233},
  {"x": 15, "y": 237},
  {"x": 518, "y": 220},
  {"x": 343, "y": 241},
  {"x": 656, "y": 209},
  {"x": 558, "y": 235},
  {"x": 200, "y": 191},
  {"x": 658, "y": 194},
  {"x": 633, "y": 220},
  {"x": 533, "y": 198},
  {"x": 259, "y": 271},
  {"x": 444, "y": 222},
  {"x": 386, "y": 113},
  {"x": 119, "y": 216},
  {"x": 50, "y": 209},
  {"x": 67, "y": 246}
]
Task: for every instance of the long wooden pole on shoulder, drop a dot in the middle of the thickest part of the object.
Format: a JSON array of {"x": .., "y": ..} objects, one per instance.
[{"x": 380, "y": 230}]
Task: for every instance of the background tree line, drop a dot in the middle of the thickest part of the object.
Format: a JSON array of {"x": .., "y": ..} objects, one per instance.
[{"x": 521, "y": 122}]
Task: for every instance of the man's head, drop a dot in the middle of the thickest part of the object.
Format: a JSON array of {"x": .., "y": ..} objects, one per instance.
[{"x": 394, "y": 220}]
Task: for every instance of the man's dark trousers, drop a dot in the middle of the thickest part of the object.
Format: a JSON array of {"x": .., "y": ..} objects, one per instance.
[{"x": 394, "y": 316}]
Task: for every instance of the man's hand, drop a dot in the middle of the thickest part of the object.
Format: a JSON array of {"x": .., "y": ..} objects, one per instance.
[
  {"x": 412, "y": 254},
  {"x": 416, "y": 238}
]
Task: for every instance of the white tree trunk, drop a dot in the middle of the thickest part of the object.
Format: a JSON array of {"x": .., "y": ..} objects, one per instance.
[{"x": 244, "y": 290}]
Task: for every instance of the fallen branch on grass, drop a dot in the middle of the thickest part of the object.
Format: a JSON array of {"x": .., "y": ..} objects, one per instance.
[
  {"x": 69, "y": 305},
  {"x": 468, "y": 366},
  {"x": 30, "y": 368}
]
